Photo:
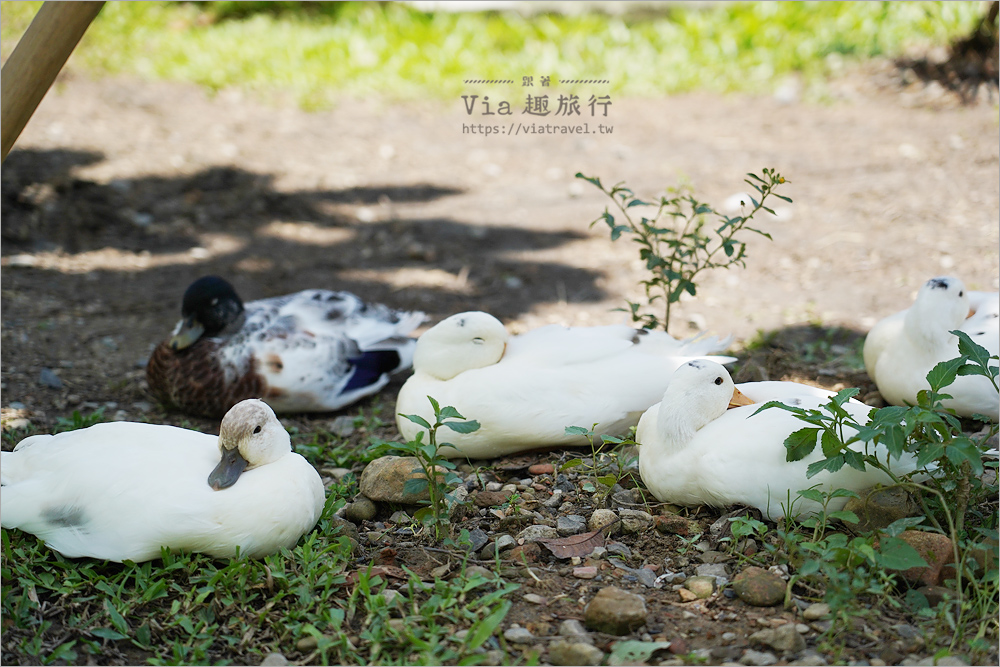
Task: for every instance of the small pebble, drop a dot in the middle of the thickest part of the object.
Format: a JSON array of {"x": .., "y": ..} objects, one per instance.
[
  {"x": 306, "y": 644},
  {"x": 342, "y": 426},
  {"x": 48, "y": 378},
  {"x": 572, "y": 628},
  {"x": 816, "y": 611},
  {"x": 585, "y": 572},
  {"x": 515, "y": 634}
]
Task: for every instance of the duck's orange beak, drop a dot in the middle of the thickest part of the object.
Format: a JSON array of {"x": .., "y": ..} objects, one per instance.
[
  {"x": 739, "y": 399},
  {"x": 972, "y": 311}
]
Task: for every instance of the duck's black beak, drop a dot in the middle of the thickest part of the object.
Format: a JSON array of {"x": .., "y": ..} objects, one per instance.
[
  {"x": 187, "y": 332},
  {"x": 228, "y": 470}
]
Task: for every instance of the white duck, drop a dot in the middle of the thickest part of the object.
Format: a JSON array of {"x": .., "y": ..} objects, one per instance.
[
  {"x": 122, "y": 490},
  {"x": 693, "y": 451},
  {"x": 525, "y": 390},
  {"x": 901, "y": 349},
  {"x": 312, "y": 351}
]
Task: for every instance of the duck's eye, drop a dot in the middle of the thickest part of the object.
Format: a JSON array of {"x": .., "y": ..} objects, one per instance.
[
  {"x": 961, "y": 294},
  {"x": 257, "y": 429},
  {"x": 478, "y": 341},
  {"x": 718, "y": 380}
]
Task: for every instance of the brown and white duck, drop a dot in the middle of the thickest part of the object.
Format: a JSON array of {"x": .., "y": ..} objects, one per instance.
[{"x": 311, "y": 351}]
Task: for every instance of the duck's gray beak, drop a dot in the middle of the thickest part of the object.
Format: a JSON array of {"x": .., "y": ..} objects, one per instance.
[
  {"x": 228, "y": 470},
  {"x": 186, "y": 333}
]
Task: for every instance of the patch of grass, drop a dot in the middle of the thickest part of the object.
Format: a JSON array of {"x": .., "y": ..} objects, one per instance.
[
  {"x": 948, "y": 482},
  {"x": 78, "y": 420},
  {"x": 319, "y": 54}
]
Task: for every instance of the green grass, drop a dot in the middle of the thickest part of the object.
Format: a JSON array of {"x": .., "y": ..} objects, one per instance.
[
  {"x": 317, "y": 603},
  {"x": 394, "y": 52}
]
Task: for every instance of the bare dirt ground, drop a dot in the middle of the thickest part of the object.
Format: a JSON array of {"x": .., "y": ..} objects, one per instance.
[{"x": 121, "y": 192}]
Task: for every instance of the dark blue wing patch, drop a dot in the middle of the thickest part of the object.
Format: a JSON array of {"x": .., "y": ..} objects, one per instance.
[{"x": 369, "y": 367}]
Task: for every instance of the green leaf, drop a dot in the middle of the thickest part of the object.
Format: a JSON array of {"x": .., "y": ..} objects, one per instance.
[
  {"x": 844, "y": 515},
  {"x": 854, "y": 459},
  {"x": 944, "y": 373},
  {"x": 967, "y": 347},
  {"x": 962, "y": 449},
  {"x": 799, "y": 444},
  {"x": 463, "y": 427},
  {"x": 116, "y": 618},
  {"x": 896, "y": 554},
  {"x": 107, "y": 633},
  {"x": 595, "y": 181},
  {"x": 832, "y": 464},
  {"x": 415, "y": 485},
  {"x": 894, "y": 440},
  {"x": 578, "y": 430},
  {"x": 434, "y": 404},
  {"x": 814, "y": 495},
  {"x": 809, "y": 567},
  {"x": 448, "y": 412},
  {"x": 844, "y": 395},
  {"x": 831, "y": 445},
  {"x": 608, "y": 480},
  {"x": 899, "y": 525},
  {"x": 572, "y": 463},
  {"x": 418, "y": 420},
  {"x": 485, "y": 628}
]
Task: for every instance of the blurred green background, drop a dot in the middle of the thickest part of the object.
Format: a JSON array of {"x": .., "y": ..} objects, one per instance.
[{"x": 319, "y": 51}]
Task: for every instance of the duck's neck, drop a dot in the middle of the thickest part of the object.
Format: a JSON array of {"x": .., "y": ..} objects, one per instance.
[
  {"x": 927, "y": 333},
  {"x": 676, "y": 427}
]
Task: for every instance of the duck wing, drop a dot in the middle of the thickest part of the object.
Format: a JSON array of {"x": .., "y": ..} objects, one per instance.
[
  {"x": 556, "y": 345},
  {"x": 319, "y": 350}
]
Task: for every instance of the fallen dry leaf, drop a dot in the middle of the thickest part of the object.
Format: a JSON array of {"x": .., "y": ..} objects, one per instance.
[{"x": 577, "y": 545}]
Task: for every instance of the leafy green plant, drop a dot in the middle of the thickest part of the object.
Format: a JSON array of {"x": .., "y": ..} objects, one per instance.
[
  {"x": 78, "y": 420},
  {"x": 677, "y": 243},
  {"x": 438, "y": 472},
  {"x": 950, "y": 458},
  {"x": 948, "y": 464},
  {"x": 607, "y": 466}
]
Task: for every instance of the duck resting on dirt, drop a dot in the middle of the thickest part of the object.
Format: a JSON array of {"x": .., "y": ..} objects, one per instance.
[
  {"x": 312, "y": 351},
  {"x": 703, "y": 445},
  {"x": 122, "y": 490},
  {"x": 901, "y": 348},
  {"x": 525, "y": 390}
]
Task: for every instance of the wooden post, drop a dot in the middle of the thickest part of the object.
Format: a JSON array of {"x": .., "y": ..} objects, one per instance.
[{"x": 37, "y": 59}]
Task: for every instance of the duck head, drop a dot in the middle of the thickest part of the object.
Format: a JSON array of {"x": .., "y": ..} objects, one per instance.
[
  {"x": 698, "y": 393},
  {"x": 210, "y": 305},
  {"x": 460, "y": 343},
  {"x": 942, "y": 304},
  {"x": 250, "y": 436}
]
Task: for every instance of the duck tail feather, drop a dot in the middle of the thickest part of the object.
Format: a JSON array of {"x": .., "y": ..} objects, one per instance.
[
  {"x": 408, "y": 321},
  {"x": 702, "y": 343}
]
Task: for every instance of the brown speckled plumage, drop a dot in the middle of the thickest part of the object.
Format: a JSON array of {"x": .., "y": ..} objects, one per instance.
[
  {"x": 193, "y": 380},
  {"x": 312, "y": 351}
]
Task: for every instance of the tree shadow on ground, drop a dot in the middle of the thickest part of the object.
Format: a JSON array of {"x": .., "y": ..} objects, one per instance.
[{"x": 355, "y": 239}]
